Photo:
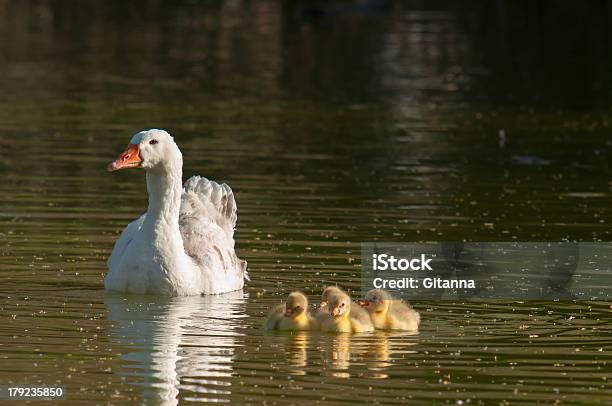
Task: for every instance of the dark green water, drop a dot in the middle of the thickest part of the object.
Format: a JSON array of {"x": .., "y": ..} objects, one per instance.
[{"x": 334, "y": 123}]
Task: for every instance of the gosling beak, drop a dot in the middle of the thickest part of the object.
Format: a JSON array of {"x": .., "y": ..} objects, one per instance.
[
  {"x": 323, "y": 304},
  {"x": 288, "y": 312},
  {"x": 335, "y": 312},
  {"x": 130, "y": 158},
  {"x": 363, "y": 303}
]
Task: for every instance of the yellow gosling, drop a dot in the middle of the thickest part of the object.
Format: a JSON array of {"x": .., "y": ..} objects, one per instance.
[
  {"x": 357, "y": 312},
  {"x": 338, "y": 318},
  {"x": 388, "y": 313},
  {"x": 292, "y": 315}
]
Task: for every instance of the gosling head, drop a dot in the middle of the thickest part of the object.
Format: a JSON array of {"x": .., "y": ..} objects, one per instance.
[
  {"x": 296, "y": 305},
  {"x": 376, "y": 300},
  {"x": 339, "y": 304},
  {"x": 325, "y": 295}
]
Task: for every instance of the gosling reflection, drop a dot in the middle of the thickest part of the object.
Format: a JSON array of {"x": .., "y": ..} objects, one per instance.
[
  {"x": 341, "y": 355},
  {"x": 297, "y": 354},
  {"x": 177, "y": 337},
  {"x": 347, "y": 355}
]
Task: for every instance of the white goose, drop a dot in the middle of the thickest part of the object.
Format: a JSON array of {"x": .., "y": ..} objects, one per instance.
[{"x": 184, "y": 244}]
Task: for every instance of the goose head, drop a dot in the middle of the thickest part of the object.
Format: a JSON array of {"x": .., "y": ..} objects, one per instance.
[{"x": 151, "y": 150}]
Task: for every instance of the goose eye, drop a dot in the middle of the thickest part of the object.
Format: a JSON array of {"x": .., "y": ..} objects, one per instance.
[
  {"x": 153, "y": 142},
  {"x": 342, "y": 305}
]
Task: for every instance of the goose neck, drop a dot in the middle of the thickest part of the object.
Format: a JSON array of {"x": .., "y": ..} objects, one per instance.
[{"x": 164, "y": 188}]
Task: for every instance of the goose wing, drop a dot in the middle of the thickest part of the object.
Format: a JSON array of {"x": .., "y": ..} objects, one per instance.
[{"x": 207, "y": 220}]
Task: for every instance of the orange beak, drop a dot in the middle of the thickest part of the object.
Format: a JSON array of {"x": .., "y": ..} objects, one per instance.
[
  {"x": 335, "y": 312},
  {"x": 130, "y": 158},
  {"x": 363, "y": 303}
]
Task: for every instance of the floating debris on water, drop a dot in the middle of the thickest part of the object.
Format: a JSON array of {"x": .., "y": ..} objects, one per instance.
[
  {"x": 502, "y": 138},
  {"x": 530, "y": 160}
]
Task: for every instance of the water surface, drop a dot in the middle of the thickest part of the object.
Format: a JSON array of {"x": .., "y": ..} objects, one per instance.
[{"x": 334, "y": 123}]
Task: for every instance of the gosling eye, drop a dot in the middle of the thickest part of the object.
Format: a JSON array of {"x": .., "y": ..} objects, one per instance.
[
  {"x": 342, "y": 305},
  {"x": 153, "y": 142}
]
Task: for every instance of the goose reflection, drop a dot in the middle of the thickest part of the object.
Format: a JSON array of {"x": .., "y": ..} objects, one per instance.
[{"x": 178, "y": 343}]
